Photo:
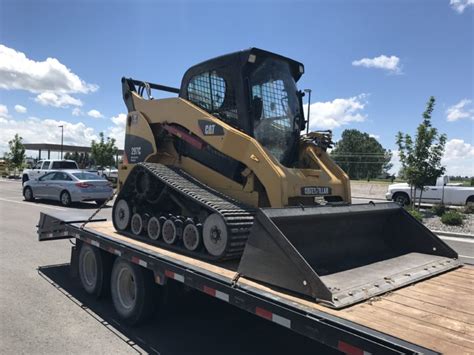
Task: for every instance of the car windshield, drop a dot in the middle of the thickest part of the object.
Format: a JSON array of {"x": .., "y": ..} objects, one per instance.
[
  {"x": 87, "y": 176},
  {"x": 64, "y": 165},
  {"x": 274, "y": 93}
]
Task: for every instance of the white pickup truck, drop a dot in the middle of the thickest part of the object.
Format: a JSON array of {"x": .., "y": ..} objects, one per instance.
[
  {"x": 443, "y": 193},
  {"x": 45, "y": 166}
]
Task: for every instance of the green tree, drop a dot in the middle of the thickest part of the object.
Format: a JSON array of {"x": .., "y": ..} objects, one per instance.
[
  {"x": 82, "y": 159},
  {"x": 103, "y": 151},
  {"x": 421, "y": 158},
  {"x": 360, "y": 155},
  {"x": 16, "y": 156}
]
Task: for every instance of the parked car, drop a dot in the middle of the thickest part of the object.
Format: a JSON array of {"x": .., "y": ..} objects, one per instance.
[
  {"x": 443, "y": 193},
  {"x": 45, "y": 166},
  {"x": 68, "y": 187},
  {"x": 110, "y": 173}
]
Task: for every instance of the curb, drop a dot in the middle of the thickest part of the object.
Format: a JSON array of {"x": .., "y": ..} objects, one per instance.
[
  {"x": 453, "y": 234},
  {"x": 370, "y": 198}
]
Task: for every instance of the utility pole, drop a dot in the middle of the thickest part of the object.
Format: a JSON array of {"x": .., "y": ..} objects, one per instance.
[
  {"x": 62, "y": 136},
  {"x": 309, "y": 109}
]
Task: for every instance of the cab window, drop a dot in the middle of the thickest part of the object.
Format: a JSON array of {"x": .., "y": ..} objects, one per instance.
[
  {"x": 47, "y": 177},
  {"x": 210, "y": 91},
  {"x": 62, "y": 176},
  {"x": 38, "y": 165}
]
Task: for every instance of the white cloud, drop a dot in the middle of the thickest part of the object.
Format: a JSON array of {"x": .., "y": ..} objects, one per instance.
[
  {"x": 460, "y": 5},
  {"x": 77, "y": 112},
  {"x": 118, "y": 130},
  {"x": 376, "y": 136},
  {"x": 463, "y": 109},
  {"x": 381, "y": 62},
  {"x": 21, "y": 73},
  {"x": 337, "y": 113},
  {"x": 120, "y": 119},
  {"x": 4, "y": 111},
  {"x": 95, "y": 114},
  {"x": 57, "y": 100},
  {"x": 20, "y": 109},
  {"x": 35, "y": 130},
  {"x": 458, "y": 158}
]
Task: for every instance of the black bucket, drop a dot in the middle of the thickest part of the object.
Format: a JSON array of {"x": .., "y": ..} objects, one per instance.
[{"x": 340, "y": 255}]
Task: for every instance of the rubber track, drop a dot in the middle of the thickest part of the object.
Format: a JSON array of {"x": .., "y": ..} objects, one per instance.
[{"x": 238, "y": 217}]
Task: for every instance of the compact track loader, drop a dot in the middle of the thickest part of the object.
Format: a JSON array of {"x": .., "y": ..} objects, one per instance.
[{"x": 222, "y": 172}]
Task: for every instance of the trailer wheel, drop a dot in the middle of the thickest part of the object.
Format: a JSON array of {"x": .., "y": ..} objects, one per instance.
[
  {"x": 94, "y": 270},
  {"x": 133, "y": 292}
]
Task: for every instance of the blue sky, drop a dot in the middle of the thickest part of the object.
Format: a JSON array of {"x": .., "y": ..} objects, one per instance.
[{"x": 371, "y": 64}]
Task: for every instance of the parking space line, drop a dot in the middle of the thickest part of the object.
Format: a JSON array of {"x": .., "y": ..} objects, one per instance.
[{"x": 31, "y": 204}]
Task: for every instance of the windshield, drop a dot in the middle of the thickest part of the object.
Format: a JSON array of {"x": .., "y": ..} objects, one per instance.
[
  {"x": 88, "y": 176},
  {"x": 64, "y": 165},
  {"x": 275, "y": 107}
]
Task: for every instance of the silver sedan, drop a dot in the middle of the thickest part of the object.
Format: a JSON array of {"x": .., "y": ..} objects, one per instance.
[{"x": 68, "y": 187}]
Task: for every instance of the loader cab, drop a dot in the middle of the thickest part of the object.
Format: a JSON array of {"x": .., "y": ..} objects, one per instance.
[{"x": 254, "y": 91}]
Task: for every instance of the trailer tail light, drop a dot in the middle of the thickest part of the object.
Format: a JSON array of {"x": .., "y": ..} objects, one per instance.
[{"x": 83, "y": 185}]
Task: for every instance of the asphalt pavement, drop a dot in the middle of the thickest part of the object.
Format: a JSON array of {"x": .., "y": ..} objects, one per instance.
[{"x": 44, "y": 311}]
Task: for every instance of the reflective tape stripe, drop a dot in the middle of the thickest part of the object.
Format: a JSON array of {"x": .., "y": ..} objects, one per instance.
[
  {"x": 139, "y": 261},
  {"x": 351, "y": 349},
  {"x": 273, "y": 317},
  {"x": 114, "y": 251},
  {"x": 216, "y": 293},
  {"x": 174, "y": 276}
]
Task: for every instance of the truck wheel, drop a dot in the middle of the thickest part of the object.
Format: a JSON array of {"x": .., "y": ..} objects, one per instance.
[
  {"x": 65, "y": 199},
  {"x": 94, "y": 270},
  {"x": 470, "y": 201},
  {"x": 401, "y": 198},
  {"x": 28, "y": 194},
  {"x": 133, "y": 292}
]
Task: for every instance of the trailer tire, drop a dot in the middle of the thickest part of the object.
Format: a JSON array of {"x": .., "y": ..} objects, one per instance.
[
  {"x": 133, "y": 292},
  {"x": 94, "y": 270}
]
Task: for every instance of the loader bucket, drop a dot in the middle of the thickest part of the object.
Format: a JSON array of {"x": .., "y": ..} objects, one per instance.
[{"x": 341, "y": 255}]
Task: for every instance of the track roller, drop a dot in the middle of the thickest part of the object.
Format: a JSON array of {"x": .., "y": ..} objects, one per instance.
[
  {"x": 169, "y": 233},
  {"x": 136, "y": 224},
  {"x": 154, "y": 228},
  {"x": 191, "y": 235}
]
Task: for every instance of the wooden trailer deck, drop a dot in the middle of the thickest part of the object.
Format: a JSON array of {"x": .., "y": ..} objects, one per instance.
[{"x": 437, "y": 313}]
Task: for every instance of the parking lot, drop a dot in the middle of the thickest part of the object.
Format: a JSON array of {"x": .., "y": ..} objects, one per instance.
[{"x": 44, "y": 311}]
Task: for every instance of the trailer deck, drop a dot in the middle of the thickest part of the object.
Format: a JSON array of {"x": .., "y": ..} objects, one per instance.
[{"x": 431, "y": 316}]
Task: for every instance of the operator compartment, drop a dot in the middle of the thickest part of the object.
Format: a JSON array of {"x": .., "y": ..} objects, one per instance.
[{"x": 340, "y": 255}]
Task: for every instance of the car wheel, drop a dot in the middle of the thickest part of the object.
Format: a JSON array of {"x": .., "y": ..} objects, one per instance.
[
  {"x": 65, "y": 199},
  {"x": 100, "y": 202},
  {"x": 402, "y": 199},
  {"x": 28, "y": 194}
]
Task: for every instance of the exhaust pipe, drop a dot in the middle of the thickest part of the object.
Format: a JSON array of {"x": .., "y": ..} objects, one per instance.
[{"x": 341, "y": 255}]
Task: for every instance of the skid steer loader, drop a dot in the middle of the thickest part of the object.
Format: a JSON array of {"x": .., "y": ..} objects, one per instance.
[{"x": 222, "y": 172}]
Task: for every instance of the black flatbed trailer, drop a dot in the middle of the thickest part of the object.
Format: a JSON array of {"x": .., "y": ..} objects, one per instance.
[{"x": 429, "y": 317}]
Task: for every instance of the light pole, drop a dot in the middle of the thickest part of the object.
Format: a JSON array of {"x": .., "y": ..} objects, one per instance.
[
  {"x": 309, "y": 109},
  {"x": 62, "y": 135}
]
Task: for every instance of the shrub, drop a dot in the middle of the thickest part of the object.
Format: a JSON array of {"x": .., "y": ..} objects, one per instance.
[
  {"x": 452, "y": 218},
  {"x": 438, "y": 209},
  {"x": 417, "y": 214},
  {"x": 468, "y": 209}
]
